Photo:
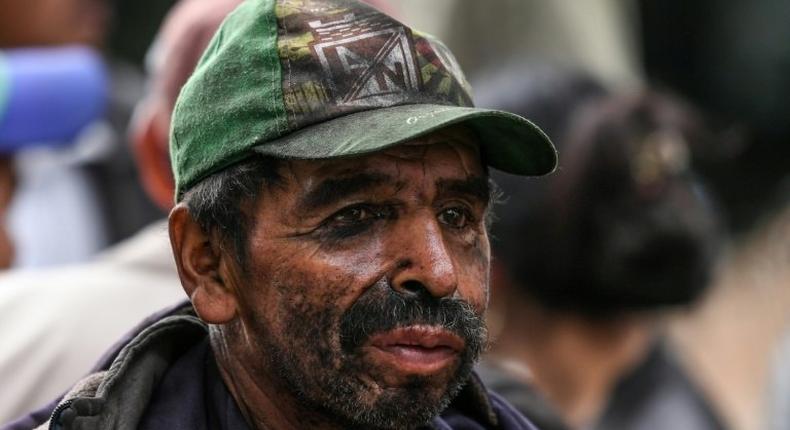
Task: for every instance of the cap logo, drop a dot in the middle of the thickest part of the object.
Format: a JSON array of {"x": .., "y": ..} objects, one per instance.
[
  {"x": 365, "y": 57},
  {"x": 341, "y": 56}
]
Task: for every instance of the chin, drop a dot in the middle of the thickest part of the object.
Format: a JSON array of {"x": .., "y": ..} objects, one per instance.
[
  {"x": 366, "y": 396},
  {"x": 403, "y": 407}
]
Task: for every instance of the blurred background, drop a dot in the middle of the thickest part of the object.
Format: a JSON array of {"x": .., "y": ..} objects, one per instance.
[{"x": 687, "y": 99}]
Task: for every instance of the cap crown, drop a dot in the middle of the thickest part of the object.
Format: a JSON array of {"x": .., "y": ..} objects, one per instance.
[{"x": 277, "y": 66}]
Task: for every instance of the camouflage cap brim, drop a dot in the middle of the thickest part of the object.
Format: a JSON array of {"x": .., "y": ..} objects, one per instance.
[{"x": 369, "y": 131}]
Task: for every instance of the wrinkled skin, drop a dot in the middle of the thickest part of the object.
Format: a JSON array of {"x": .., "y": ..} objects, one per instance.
[{"x": 277, "y": 332}]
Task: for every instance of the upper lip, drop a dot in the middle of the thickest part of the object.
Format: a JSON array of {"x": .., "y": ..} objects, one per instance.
[{"x": 423, "y": 336}]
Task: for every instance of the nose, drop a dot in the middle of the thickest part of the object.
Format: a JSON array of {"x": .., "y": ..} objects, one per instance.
[{"x": 424, "y": 263}]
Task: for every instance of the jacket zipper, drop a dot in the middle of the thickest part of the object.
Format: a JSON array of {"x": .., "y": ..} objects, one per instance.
[{"x": 55, "y": 417}]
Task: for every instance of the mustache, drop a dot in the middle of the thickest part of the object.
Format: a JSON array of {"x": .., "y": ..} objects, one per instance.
[{"x": 381, "y": 308}]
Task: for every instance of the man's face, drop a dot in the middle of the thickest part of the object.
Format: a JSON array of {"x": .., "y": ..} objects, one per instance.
[{"x": 366, "y": 282}]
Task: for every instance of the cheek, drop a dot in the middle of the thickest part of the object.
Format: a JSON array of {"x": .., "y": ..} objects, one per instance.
[
  {"x": 302, "y": 279},
  {"x": 473, "y": 265}
]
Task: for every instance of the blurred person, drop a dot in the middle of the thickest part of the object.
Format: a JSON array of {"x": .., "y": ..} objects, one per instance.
[
  {"x": 47, "y": 97},
  {"x": 771, "y": 268},
  {"x": 170, "y": 60},
  {"x": 743, "y": 327},
  {"x": 548, "y": 93},
  {"x": 732, "y": 59},
  {"x": 329, "y": 232},
  {"x": 770, "y": 246},
  {"x": 747, "y": 84},
  {"x": 30, "y": 32},
  {"x": 587, "y": 262},
  {"x": 48, "y": 340}
]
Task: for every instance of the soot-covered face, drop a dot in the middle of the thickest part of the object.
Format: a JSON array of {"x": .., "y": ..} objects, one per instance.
[{"x": 366, "y": 282}]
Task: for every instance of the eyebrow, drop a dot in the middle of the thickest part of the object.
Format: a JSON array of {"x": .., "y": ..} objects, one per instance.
[
  {"x": 334, "y": 189},
  {"x": 474, "y": 186}
]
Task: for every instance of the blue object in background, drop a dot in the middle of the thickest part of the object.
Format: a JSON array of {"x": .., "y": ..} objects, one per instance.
[{"x": 47, "y": 95}]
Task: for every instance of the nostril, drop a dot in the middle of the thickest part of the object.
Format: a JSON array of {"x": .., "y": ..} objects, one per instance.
[{"x": 412, "y": 288}]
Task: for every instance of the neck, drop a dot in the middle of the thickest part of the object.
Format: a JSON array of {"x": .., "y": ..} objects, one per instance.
[
  {"x": 264, "y": 401},
  {"x": 575, "y": 361}
]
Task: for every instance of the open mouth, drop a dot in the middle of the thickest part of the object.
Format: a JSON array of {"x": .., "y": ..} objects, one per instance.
[{"x": 417, "y": 349}]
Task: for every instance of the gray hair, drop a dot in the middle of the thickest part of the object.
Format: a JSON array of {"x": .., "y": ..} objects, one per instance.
[{"x": 222, "y": 203}]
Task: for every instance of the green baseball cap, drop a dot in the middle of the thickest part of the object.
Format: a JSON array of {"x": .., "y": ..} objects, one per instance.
[{"x": 317, "y": 79}]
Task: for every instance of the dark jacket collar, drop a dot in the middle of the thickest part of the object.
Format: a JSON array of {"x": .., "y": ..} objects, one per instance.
[{"x": 162, "y": 378}]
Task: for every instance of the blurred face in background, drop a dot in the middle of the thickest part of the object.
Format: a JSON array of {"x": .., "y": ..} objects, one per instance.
[
  {"x": 53, "y": 22},
  {"x": 169, "y": 62}
]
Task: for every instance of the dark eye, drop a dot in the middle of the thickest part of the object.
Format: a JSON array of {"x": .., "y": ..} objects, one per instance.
[
  {"x": 455, "y": 217},
  {"x": 353, "y": 215},
  {"x": 354, "y": 220}
]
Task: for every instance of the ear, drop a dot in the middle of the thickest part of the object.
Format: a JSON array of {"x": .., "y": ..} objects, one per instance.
[
  {"x": 198, "y": 261},
  {"x": 149, "y": 136}
]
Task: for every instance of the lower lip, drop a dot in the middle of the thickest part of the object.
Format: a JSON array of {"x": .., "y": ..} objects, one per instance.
[{"x": 415, "y": 359}]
